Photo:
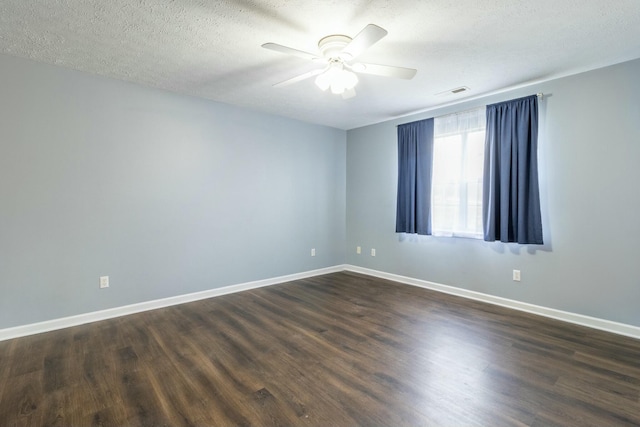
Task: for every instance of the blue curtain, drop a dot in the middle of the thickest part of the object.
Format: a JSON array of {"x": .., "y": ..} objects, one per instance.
[
  {"x": 415, "y": 157},
  {"x": 511, "y": 200}
]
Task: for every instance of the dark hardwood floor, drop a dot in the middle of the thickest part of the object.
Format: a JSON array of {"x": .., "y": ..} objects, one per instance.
[{"x": 336, "y": 350}]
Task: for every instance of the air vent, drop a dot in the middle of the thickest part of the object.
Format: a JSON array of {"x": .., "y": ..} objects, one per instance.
[{"x": 454, "y": 91}]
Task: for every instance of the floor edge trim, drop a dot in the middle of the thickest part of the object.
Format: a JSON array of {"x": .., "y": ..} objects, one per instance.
[
  {"x": 110, "y": 313},
  {"x": 565, "y": 316}
]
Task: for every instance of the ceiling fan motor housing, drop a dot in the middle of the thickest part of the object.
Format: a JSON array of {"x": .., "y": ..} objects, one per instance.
[{"x": 332, "y": 46}]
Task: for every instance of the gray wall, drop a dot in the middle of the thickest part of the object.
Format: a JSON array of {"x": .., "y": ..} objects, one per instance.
[
  {"x": 590, "y": 173},
  {"x": 166, "y": 194},
  {"x": 169, "y": 194}
]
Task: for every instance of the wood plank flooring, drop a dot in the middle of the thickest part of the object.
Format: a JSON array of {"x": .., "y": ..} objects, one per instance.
[{"x": 336, "y": 350}]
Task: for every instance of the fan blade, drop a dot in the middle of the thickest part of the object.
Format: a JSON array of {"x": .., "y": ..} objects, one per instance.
[
  {"x": 385, "y": 70},
  {"x": 299, "y": 78},
  {"x": 365, "y": 39},
  {"x": 291, "y": 51}
]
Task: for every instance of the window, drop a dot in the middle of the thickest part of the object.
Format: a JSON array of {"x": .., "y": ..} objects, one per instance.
[
  {"x": 454, "y": 181},
  {"x": 458, "y": 159}
]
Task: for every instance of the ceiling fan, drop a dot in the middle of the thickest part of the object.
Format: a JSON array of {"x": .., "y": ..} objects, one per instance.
[{"x": 337, "y": 53}]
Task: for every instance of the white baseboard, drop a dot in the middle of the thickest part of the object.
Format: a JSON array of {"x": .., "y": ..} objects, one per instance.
[
  {"x": 80, "y": 319},
  {"x": 578, "y": 319}
]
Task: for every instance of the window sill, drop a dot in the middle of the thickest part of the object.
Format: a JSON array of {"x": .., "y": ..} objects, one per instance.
[{"x": 461, "y": 235}]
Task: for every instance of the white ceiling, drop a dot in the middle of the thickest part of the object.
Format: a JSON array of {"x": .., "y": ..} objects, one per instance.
[{"x": 212, "y": 49}]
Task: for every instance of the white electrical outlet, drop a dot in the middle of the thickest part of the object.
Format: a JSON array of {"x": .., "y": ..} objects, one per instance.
[
  {"x": 104, "y": 282},
  {"x": 358, "y": 250},
  {"x": 313, "y": 251},
  {"x": 516, "y": 275},
  {"x": 373, "y": 252}
]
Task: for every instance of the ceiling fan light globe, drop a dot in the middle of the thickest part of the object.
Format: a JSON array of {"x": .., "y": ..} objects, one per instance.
[
  {"x": 323, "y": 81},
  {"x": 335, "y": 69},
  {"x": 337, "y": 87},
  {"x": 336, "y": 77},
  {"x": 349, "y": 79}
]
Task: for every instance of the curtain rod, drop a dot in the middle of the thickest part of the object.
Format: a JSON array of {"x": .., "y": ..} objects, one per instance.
[{"x": 540, "y": 95}]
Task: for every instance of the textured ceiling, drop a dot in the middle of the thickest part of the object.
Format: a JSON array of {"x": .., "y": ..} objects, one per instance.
[{"x": 212, "y": 49}]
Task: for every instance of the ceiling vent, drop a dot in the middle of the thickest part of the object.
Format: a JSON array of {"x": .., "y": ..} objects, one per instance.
[{"x": 455, "y": 91}]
